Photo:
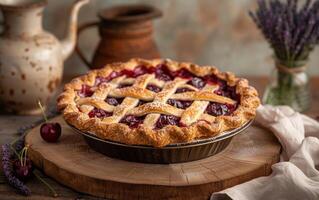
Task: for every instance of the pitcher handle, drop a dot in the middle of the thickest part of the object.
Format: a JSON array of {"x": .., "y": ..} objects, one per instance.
[{"x": 77, "y": 48}]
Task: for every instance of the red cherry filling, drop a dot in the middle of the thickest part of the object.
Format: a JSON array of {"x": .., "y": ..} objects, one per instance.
[
  {"x": 153, "y": 88},
  {"x": 138, "y": 71},
  {"x": 179, "y": 103},
  {"x": 132, "y": 121},
  {"x": 217, "y": 109},
  {"x": 99, "y": 113},
  {"x": 183, "y": 73},
  {"x": 124, "y": 85},
  {"x": 165, "y": 120},
  {"x": 163, "y": 73},
  {"x": 113, "y": 101},
  {"x": 213, "y": 79},
  {"x": 228, "y": 91},
  {"x": 197, "y": 82},
  {"x": 99, "y": 79},
  {"x": 86, "y": 91},
  {"x": 181, "y": 90},
  {"x": 224, "y": 89}
]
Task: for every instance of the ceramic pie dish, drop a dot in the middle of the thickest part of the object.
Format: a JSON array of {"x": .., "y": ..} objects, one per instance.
[{"x": 157, "y": 103}]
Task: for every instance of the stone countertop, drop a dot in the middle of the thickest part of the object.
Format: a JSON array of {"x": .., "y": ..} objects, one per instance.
[{"x": 10, "y": 123}]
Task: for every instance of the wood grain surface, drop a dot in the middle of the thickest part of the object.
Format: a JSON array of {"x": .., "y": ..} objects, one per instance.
[{"x": 72, "y": 163}]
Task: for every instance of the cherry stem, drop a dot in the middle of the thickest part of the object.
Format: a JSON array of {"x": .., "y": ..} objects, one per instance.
[
  {"x": 22, "y": 155},
  {"x": 54, "y": 193},
  {"x": 43, "y": 112},
  {"x": 25, "y": 155},
  {"x": 13, "y": 143}
]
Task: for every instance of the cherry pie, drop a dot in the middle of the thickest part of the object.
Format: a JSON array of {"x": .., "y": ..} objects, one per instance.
[{"x": 157, "y": 102}]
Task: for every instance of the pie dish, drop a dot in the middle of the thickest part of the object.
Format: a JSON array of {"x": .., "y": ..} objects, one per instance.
[{"x": 157, "y": 102}]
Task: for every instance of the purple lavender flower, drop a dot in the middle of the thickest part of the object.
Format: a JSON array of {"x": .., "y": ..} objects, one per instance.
[
  {"x": 8, "y": 171},
  {"x": 8, "y": 156},
  {"x": 292, "y": 31}
]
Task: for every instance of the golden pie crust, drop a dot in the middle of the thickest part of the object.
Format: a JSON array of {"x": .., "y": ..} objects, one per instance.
[{"x": 198, "y": 124}]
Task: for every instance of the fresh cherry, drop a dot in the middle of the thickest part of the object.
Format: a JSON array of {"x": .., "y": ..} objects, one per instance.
[
  {"x": 23, "y": 168},
  {"x": 50, "y": 132}
]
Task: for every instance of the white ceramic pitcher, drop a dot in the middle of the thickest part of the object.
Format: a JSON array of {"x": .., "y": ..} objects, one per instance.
[{"x": 31, "y": 59}]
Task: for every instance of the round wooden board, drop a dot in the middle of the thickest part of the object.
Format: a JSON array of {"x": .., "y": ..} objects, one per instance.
[{"x": 72, "y": 163}]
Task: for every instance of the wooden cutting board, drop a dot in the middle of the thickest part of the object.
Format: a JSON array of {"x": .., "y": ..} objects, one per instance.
[{"x": 72, "y": 163}]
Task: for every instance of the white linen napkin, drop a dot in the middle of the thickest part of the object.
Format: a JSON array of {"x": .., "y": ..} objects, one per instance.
[{"x": 296, "y": 176}]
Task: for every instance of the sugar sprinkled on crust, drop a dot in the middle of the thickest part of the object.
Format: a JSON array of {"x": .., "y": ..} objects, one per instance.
[{"x": 147, "y": 135}]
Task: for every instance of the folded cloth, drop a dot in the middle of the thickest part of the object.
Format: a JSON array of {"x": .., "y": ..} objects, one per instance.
[{"x": 296, "y": 177}]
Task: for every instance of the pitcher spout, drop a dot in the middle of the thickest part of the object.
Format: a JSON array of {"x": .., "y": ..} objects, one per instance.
[{"x": 68, "y": 43}]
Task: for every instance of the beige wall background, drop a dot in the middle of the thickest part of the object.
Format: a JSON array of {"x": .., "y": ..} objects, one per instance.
[{"x": 210, "y": 32}]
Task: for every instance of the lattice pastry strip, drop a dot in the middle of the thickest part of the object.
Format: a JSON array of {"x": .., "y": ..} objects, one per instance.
[
  {"x": 158, "y": 107},
  {"x": 160, "y": 102},
  {"x": 128, "y": 103},
  {"x": 197, "y": 108},
  {"x": 147, "y": 95},
  {"x": 204, "y": 95},
  {"x": 98, "y": 97},
  {"x": 133, "y": 94}
]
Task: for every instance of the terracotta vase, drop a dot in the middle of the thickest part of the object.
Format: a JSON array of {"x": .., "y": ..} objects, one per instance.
[
  {"x": 126, "y": 32},
  {"x": 31, "y": 59}
]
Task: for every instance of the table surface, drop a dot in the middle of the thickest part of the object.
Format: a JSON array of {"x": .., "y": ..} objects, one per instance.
[{"x": 10, "y": 123}]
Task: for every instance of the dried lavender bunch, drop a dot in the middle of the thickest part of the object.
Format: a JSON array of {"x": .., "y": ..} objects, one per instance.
[
  {"x": 8, "y": 171},
  {"x": 291, "y": 29}
]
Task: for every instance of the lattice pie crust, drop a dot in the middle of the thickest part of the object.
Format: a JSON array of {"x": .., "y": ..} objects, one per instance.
[{"x": 194, "y": 122}]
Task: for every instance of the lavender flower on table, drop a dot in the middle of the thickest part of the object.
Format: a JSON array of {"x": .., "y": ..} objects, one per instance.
[
  {"x": 8, "y": 156},
  {"x": 291, "y": 30},
  {"x": 8, "y": 171}
]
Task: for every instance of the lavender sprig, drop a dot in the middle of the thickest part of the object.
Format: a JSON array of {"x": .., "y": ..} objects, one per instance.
[
  {"x": 292, "y": 31},
  {"x": 8, "y": 171},
  {"x": 11, "y": 150}
]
